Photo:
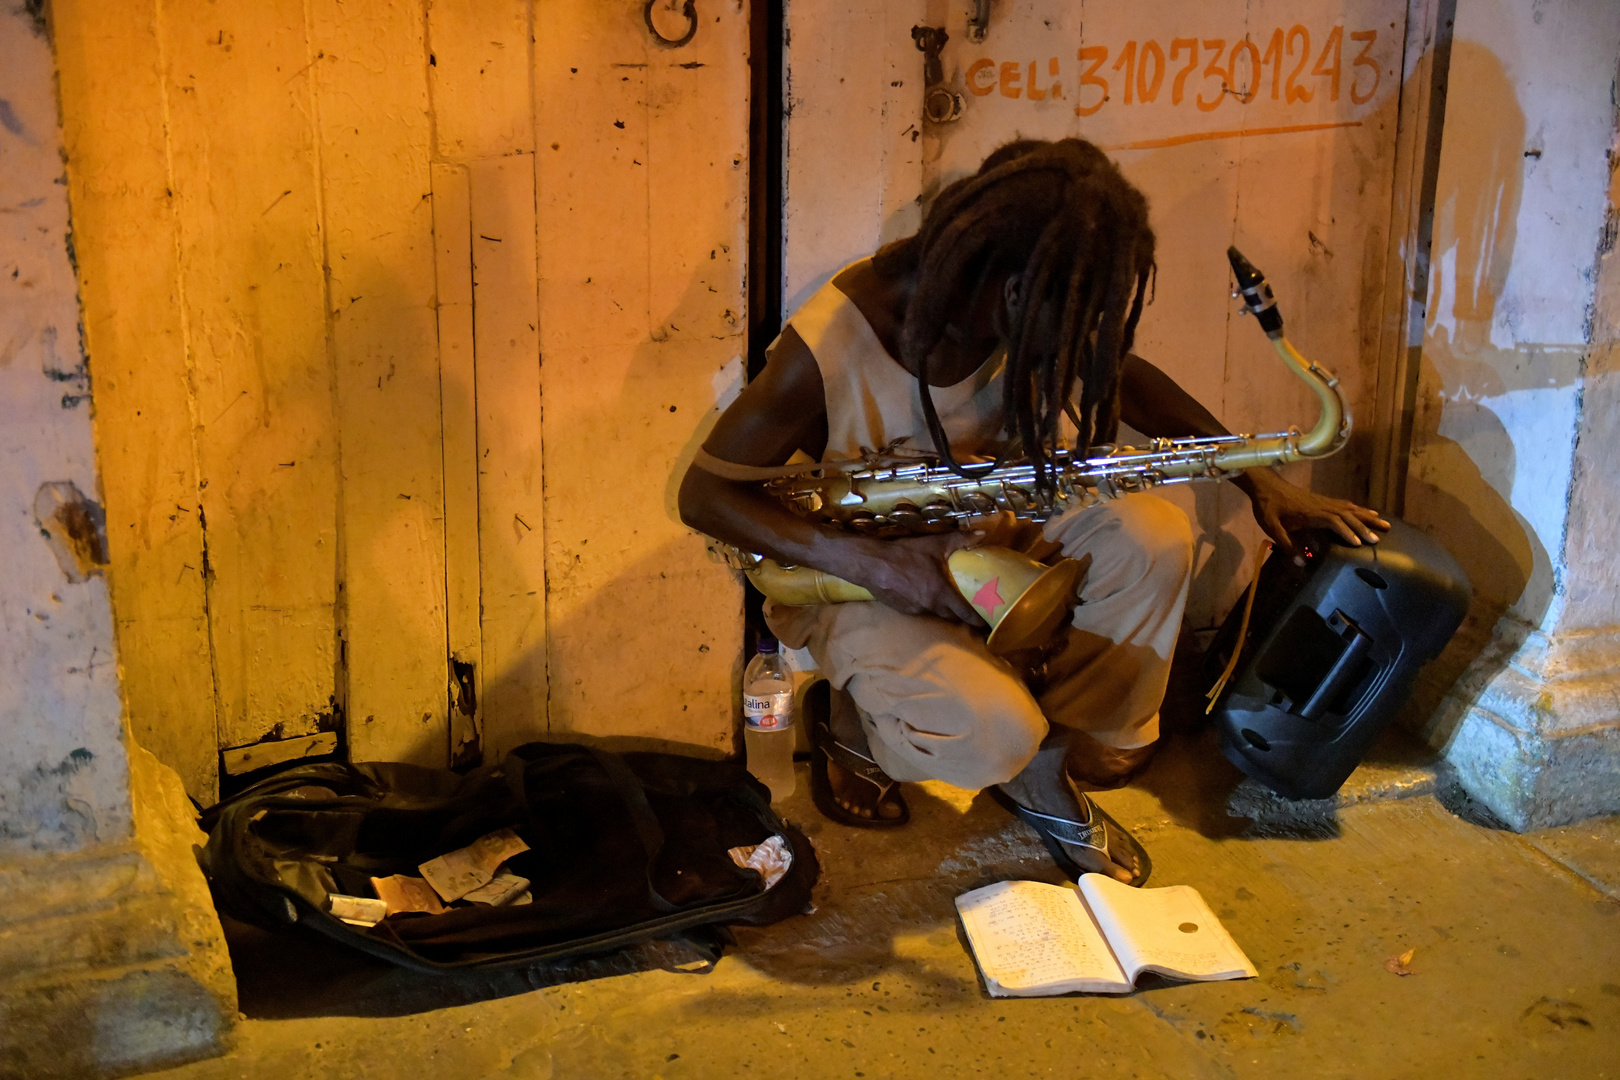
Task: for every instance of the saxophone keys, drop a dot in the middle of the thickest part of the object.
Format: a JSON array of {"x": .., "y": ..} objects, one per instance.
[
  {"x": 978, "y": 503},
  {"x": 906, "y": 516},
  {"x": 937, "y": 512},
  {"x": 807, "y": 502}
]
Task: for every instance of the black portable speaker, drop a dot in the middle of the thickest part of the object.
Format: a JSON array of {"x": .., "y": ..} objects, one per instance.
[{"x": 1335, "y": 639}]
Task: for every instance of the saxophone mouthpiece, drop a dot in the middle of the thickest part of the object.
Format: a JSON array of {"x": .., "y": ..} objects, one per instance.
[
  {"x": 1247, "y": 276},
  {"x": 1256, "y": 293}
]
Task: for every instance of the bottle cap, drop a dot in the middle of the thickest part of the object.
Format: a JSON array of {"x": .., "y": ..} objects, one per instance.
[{"x": 766, "y": 644}]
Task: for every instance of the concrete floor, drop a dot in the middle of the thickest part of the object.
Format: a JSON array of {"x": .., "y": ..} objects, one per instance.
[{"x": 1517, "y": 963}]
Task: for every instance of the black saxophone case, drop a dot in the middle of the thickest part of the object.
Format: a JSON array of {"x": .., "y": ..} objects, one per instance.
[{"x": 1335, "y": 639}]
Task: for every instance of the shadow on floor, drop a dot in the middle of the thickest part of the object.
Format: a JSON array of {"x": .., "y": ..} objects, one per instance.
[
  {"x": 1188, "y": 774},
  {"x": 1195, "y": 783},
  {"x": 285, "y": 975}
]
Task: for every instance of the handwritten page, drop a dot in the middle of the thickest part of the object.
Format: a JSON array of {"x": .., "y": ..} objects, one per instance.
[
  {"x": 1170, "y": 931},
  {"x": 1033, "y": 939}
]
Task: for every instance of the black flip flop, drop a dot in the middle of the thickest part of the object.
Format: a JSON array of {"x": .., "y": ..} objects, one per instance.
[
  {"x": 826, "y": 747},
  {"x": 1097, "y": 833}
]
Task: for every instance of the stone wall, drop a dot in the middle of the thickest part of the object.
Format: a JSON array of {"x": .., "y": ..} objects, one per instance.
[
  {"x": 111, "y": 957},
  {"x": 62, "y": 767}
]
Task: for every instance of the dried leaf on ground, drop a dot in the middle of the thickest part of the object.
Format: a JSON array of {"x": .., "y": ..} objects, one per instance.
[{"x": 1400, "y": 965}]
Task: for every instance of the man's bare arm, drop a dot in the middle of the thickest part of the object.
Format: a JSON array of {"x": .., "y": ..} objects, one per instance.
[
  {"x": 1153, "y": 403},
  {"x": 780, "y": 411}
]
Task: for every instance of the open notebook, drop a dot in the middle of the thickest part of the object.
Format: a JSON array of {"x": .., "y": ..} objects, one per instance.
[{"x": 1035, "y": 940}]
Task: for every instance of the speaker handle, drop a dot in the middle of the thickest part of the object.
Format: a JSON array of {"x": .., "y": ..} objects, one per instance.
[{"x": 1343, "y": 669}]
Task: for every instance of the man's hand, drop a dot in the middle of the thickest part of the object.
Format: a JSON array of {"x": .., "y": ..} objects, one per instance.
[
  {"x": 1281, "y": 507},
  {"x": 910, "y": 575},
  {"x": 1152, "y": 403}
]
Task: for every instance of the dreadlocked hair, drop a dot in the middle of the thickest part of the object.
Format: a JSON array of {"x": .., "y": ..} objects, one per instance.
[{"x": 1060, "y": 215}]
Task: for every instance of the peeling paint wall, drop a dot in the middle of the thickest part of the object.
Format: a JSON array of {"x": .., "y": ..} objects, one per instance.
[
  {"x": 1519, "y": 212},
  {"x": 1592, "y": 593},
  {"x": 1513, "y": 446},
  {"x": 404, "y": 314},
  {"x": 63, "y": 774}
]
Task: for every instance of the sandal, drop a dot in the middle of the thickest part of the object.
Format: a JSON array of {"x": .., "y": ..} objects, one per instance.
[
  {"x": 825, "y": 748},
  {"x": 1097, "y": 832}
]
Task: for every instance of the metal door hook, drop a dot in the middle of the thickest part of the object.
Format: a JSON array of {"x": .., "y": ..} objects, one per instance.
[
  {"x": 690, "y": 13},
  {"x": 930, "y": 40}
]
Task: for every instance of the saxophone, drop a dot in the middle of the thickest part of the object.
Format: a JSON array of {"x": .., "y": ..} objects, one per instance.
[{"x": 1024, "y": 601}]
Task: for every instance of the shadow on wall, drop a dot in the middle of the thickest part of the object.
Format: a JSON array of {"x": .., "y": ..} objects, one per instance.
[
  {"x": 628, "y": 622},
  {"x": 1464, "y": 460}
]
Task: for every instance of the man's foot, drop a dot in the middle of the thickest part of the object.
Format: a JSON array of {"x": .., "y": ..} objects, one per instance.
[
  {"x": 859, "y": 790},
  {"x": 1080, "y": 835}
]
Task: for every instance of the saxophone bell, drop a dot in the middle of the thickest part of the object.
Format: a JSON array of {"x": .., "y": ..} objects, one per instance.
[{"x": 1023, "y": 601}]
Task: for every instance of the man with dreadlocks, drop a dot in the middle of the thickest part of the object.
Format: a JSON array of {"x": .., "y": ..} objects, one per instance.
[{"x": 1004, "y": 325}]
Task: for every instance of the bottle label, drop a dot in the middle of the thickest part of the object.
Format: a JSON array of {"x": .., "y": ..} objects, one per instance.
[{"x": 768, "y": 712}]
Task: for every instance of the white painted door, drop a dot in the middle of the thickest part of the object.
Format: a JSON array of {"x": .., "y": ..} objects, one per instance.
[{"x": 1269, "y": 124}]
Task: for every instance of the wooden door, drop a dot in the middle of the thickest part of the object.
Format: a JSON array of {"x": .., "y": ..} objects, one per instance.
[{"x": 348, "y": 268}]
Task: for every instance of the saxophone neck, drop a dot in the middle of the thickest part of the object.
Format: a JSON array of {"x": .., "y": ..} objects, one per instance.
[{"x": 1332, "y": 426}]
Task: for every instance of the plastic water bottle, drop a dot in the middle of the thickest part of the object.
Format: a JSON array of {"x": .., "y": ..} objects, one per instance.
[{"x": 768, "y": 719}]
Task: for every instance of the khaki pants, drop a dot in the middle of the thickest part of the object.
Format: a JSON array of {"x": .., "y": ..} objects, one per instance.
[{"x": 938, "y": 706}]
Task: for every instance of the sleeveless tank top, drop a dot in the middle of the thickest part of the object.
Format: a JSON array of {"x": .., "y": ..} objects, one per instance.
[{"x": 873, "y": 402}]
